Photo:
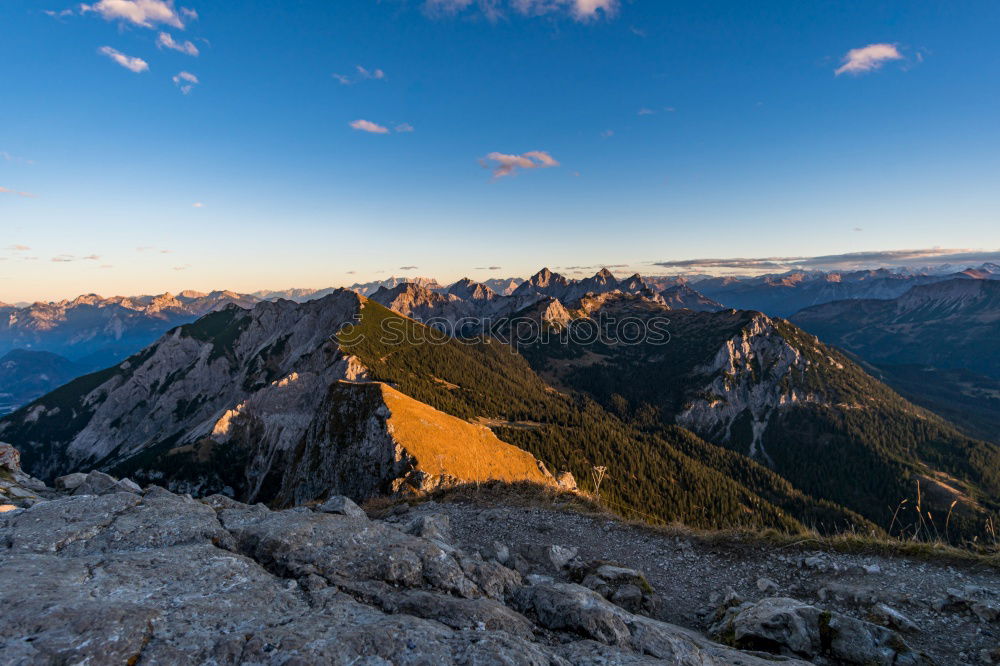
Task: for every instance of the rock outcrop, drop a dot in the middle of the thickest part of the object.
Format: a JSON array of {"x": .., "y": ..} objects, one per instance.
[{"x": 162, "y": 578}]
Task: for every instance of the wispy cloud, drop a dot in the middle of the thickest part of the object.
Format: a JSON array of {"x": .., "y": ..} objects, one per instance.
[
  {"x": 7, "y": 157},
  {"x": 581, "y": 10},
  {"x": 63, "y": 259},
  {"x": 404, "y": 128},
  {"x": 182, "y": 268},
  {"x": 92, "y": 257},
  {"x": 505, "y": 165},
  {"x": 369, "y": 126},
  {"x": 58, "y": 13},
  {"x": 408, "y": 268},
  {"x": 166, "y": 41},
  {"x": 145, "y": 13},
  {"x": 7, "y": 190},
  {"x": 197, "y": 204},
  {"x": 868, "y": 58},
  {"x": 377, "y": 74},
  {"x": 186, "y": 81},
  {"x": 128, "y": 62},
  {"x": 362, "y": 74},
  {"x": 645, "y": 112},
  {"x": 958, "y": 258},
  {"x": 18, "y": 248},
  {"x": 607, "y": 134}
]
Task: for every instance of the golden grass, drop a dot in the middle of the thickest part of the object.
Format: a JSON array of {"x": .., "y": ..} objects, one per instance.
[{"x": 445, "y": 445}]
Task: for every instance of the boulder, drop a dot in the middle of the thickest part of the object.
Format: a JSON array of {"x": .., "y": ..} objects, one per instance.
[
  {"x": 436, "y": 527},
  {"x": 550, "y": 558},
  {"x": 785, "y": 626},
  {"x": 99, "y": 483},
  {"x": 343, "y": 506},
  {"x": 892, "y": 618},
  {"x": 10, "y": 458},
  {"x": 70, "y": 482},
  {"x": 623, "y": 586}
]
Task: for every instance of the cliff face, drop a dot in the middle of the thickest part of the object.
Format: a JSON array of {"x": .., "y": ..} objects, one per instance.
[
  {"x": 755, "y": 372},
  {"x": 374, "y": 440}
]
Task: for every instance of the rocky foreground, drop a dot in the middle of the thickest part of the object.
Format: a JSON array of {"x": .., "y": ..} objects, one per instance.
[{"x": 99, "y": 571}]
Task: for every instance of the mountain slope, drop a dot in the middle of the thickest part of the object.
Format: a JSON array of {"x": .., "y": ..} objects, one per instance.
[
  {"x": 766, "y": 389},
  {"x": 27, "y": 375},
  {"x": 667, "y": 475},
  {"x": 278, "y": 404},
  {"x": 952, "y": 324},
  {"x": 263, "y": 404}
]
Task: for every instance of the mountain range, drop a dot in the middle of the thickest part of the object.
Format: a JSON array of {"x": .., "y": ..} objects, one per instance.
[
  {"x": 733, "y": 418},
  {"x": 784, "y": 294}
]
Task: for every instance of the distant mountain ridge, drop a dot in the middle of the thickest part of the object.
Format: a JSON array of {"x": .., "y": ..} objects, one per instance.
[
  {"x": 951, "y": 324},
  {"x": 785, "y": 294}
]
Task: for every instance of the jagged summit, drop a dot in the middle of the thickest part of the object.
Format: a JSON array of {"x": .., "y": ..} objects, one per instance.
[{"x": 471, "y": 290}]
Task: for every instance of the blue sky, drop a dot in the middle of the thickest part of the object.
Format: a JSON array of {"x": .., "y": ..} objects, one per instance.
[{"x": 632, "y": 132}]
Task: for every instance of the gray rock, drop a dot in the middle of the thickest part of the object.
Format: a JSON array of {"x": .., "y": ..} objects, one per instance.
[
  {"x": 786, "y": 626},
  {"x": 575, "y": 608},
  {"x": 97, "y": 483},
  {"x": 892, "y": 618},
  {"x": 548, "y": 557},
  {"x": 496, "y": 551},
  {"x": 160, "y": 578},
  {"x": 343, "y": 506},
  {"x": 767, "y": 586},
  {"x": 628, "y": 597},
  {"x": 436, "y": 527},
  {"x": 70, "y": 482},
  {"x": 10, "y": 458}
]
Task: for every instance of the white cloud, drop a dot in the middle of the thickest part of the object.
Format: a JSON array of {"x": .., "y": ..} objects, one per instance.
[
  {"x": 58, "y": 14},
  {"x": 146, "y": 13},
  {"x": 186, "y": 80},
  {"x": 16, "y": 248},
  {"x": 128, "y": 62},
  {"x": 166, "y": 41},
  {"x": 362, "y": 74},
  {"x": 589, "y": 8},
  {"x": 404, "y": 127},
  {"x": 581, "y": 10},
  {"x": 365, "y": 74},
  {"x": 868, "y": 58},
  {"x": 646, "y": 112},
  {"x": 505, "y": 165},
  {"x": 197, "y": 204},
  {"x": 369, "y": 126}
]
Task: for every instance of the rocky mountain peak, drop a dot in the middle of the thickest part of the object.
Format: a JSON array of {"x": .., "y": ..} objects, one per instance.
[{"x": 468, "y": 289}]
